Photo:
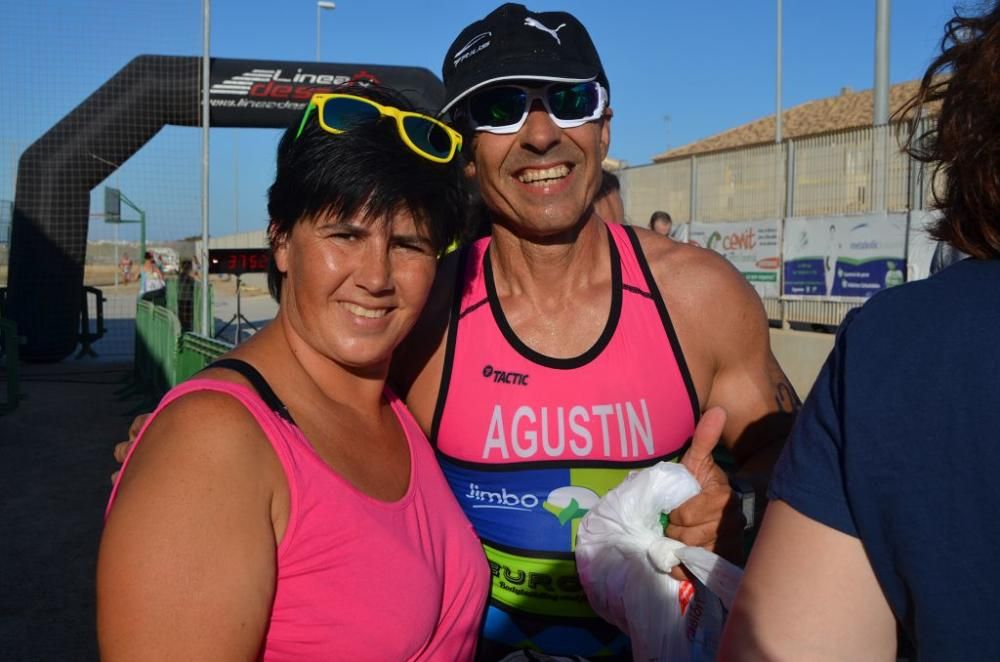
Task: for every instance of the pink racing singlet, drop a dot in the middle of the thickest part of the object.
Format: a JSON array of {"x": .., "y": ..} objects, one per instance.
[
  {"x": 530, "y": 442},
  {"x": 359, "y": 578}
]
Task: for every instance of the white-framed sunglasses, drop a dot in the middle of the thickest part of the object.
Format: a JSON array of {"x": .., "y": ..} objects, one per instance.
[{"x": 503, "y": 109}]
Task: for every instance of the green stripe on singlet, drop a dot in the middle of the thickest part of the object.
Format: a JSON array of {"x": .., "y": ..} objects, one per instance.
[{"x": 545, "y": 586}]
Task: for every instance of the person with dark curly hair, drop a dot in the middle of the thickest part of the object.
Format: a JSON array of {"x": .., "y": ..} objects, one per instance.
[{"x": 881, "y": 537}]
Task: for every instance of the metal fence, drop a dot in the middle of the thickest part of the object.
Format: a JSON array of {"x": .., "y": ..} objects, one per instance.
[{"x": 848, "y": 172}]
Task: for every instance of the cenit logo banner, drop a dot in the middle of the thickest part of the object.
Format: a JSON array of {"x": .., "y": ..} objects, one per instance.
[
  {"x": 753, "y": 247},
  {"x": 272, "y": 93}
]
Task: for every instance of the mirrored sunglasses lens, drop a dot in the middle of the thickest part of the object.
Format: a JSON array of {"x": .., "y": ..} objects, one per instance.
[
  {"x": 340, "y": 113},
  {"x": 499, "y": 106},
  {"x": 428, "y": 136},
  {"x": 573, "y": 102}
]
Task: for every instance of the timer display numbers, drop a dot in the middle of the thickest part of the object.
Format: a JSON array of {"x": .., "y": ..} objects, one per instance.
[{"x": 238, "y": 260}]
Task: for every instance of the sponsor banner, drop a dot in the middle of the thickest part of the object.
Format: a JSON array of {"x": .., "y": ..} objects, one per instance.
[
  {"x": 843, "y": 257},
  {"x": 919, "y": 246},
  {"x": 271, "y": 93},
  {"x": 753, "y": 247}
]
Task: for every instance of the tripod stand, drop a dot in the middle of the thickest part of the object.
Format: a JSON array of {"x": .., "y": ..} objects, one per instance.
[{"x": 238, "y": 317}]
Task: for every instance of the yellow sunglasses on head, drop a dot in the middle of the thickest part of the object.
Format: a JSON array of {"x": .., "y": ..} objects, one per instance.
[{"x": 428, "y": 137}]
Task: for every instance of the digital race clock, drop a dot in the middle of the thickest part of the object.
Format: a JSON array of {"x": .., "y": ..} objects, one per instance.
[{"x": 238, "y": 260}]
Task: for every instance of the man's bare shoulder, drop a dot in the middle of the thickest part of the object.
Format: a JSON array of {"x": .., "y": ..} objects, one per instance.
[
  {"x": 718, "y": 316},
  {"x": 686, "y": 274}
]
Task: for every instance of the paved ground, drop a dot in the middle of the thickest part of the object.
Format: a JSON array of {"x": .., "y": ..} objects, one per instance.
[
  {"x": 55, "y": 464},
  {"x": 55, "y": 461}
]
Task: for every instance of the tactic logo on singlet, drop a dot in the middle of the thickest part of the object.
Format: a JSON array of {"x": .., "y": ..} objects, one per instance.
[{"x": 505, "y": 377}]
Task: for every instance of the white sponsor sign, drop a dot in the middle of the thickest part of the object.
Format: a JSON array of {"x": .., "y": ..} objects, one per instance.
[
  {"x": 753, "y": 247},
  {"x": 843, "y": 257}
]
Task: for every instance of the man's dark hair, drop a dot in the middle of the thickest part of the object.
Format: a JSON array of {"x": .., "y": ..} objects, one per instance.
[
  {"x": 367, "y": 169},
  {"x": 964, "y": 143},
  {"x": 659, "y": 216}
]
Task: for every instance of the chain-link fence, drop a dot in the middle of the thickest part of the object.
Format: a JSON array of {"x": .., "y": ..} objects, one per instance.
[
  {"x": 853, "y": 172},
  {"x": 60, "y": 59}
]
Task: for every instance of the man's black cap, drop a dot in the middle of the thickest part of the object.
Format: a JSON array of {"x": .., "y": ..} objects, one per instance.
[{"x": 513, "y": 43}]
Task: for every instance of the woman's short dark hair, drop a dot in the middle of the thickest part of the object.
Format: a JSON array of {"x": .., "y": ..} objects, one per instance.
[
  {"x": 964, "y": 141},
  {"x": 367, "y": 169}
]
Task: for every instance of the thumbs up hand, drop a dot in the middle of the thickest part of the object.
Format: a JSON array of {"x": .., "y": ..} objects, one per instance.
[{"x": 710, "y": 519}]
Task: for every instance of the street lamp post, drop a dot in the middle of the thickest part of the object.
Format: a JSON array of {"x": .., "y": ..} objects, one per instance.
[{"x": 320, "y": 6}]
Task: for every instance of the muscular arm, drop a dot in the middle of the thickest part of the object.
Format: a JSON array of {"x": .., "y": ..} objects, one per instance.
[
  {"x": 808, "y": 594},
  {"x": 748, "y": 383},
  {"x": 723, "y": 332},
  {"x": 186, "y": 564}
]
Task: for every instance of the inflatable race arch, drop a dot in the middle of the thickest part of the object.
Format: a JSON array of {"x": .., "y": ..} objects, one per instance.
[{"x": 57, "y": 172}]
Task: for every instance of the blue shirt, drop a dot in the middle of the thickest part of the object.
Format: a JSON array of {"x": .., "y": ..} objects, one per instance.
[{"x": 898, "y": 444}]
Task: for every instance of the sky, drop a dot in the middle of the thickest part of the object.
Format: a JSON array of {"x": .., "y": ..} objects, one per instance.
[{"x": 679, "y": 72}]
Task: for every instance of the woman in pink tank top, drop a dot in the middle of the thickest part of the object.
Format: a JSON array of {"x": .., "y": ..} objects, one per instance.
[{"x": 245, "y": 528}]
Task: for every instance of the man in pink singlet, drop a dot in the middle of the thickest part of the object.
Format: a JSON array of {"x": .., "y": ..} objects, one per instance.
[{"x": 561, "y": 351}]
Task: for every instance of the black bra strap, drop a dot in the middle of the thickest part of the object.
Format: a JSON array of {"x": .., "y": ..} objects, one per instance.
[{"x": 252, "y": 375}]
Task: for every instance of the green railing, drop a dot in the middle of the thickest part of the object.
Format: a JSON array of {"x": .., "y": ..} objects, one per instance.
[
  {"x": 166, "y": 334},
  {"x": 194, "y": 352},
  {"x": 184, "y": 299},
  {"x": 166, "y": 354}
]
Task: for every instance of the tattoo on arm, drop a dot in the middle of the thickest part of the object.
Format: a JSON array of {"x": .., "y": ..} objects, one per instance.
[{"x": 788, "y": 401}]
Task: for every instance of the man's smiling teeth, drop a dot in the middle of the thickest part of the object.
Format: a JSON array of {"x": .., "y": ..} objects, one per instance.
[
  {"x": 536, "y": 175},
  {"x": 361, "y": 311}
]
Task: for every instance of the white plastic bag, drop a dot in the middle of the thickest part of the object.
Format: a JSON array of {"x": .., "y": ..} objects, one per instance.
[{"x": 624, "y": 560}]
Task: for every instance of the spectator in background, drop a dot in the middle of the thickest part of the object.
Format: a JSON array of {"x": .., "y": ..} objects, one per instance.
[
  {"x": 661, "y": 223},
  {"x": 608, "y": 203},
  {"x": 125, "y": 265},
  {"x": 153, "y": 285},
  {"x": 883, "y": 515},
  {"x": 185, "y": 295}
]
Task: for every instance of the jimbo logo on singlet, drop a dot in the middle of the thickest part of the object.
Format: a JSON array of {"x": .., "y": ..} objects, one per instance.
[
  {"x": 502, "y": 377},
  {"x": 565, "y": 503}
]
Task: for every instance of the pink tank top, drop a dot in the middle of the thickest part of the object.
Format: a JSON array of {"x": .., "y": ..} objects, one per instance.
[
  {"x": 358, "y": 578},
  {"x": 530, "y": 442}
]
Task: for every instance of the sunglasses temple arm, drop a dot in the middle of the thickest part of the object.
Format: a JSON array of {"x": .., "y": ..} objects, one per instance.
[{"x": 305, "y": 118}]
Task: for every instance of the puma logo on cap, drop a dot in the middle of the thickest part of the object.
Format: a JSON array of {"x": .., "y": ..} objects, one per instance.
[{"x": 533, "y": 23}]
